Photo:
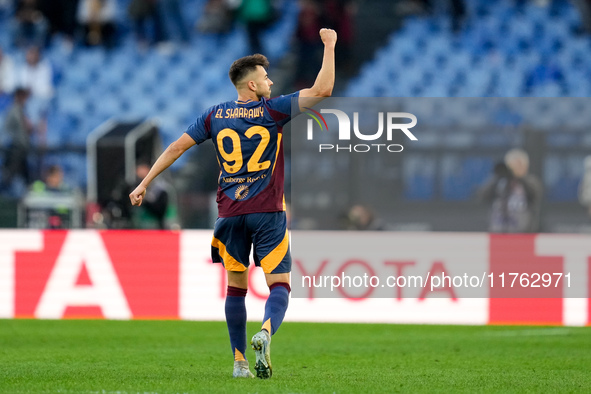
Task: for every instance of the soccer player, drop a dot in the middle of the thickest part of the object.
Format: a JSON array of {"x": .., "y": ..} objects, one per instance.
[{"x": 247, "y": 135}]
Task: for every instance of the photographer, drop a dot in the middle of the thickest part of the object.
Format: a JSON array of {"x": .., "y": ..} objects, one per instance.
[{"x": 514, "y": 195}]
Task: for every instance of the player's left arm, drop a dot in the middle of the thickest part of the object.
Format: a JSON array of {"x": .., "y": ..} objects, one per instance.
[
  {"x": 324, "y": 83},
  {"x": 169, "y": 156}
]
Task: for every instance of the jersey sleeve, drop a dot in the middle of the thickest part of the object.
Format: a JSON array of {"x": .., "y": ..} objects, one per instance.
[
  {"x": 280, "y": 107},
  {"x": 201, "y": 129}
]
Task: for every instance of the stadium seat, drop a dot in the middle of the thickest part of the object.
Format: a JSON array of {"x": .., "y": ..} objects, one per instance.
[
  {"x": 491, "y": 56},
  {"x": 562, "y": 176}
]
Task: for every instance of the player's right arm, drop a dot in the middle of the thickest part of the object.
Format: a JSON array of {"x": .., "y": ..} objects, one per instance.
[
  {"x": 169, "y": 156},
  {"x": 324, "y": 83}
]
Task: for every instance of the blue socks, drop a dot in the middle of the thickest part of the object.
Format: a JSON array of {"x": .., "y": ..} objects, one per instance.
[
  {"x": 236, "y": 321},
  {"x": 276, "y": 306},
  {"x": 236, "y": 315}
]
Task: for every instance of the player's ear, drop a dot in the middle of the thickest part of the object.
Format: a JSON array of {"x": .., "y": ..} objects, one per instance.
[{"x": 252, "y": 85}]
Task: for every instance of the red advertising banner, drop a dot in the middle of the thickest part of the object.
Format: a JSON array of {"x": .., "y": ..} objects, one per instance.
[
  {"x": 531, "y": 279},
  {"x": 110, "y": 274}
]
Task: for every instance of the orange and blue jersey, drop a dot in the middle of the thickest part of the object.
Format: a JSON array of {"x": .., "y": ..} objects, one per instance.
[{"x": 248, "y": 140}]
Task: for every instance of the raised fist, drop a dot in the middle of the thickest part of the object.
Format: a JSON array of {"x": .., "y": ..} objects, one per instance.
[{"x": 328, "y": 36}]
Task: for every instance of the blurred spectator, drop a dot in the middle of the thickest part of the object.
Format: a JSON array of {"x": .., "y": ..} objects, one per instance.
[
  {"x": 361, "y": 218},
  {"x": 340, "y": 15},
  {"x": 216, "y": 18},
  {"x": 584, "y": 7},
  {"x": 156, "y": 212},
  {"x": 116, "y": 213},
  {"x": 53, "y": 182},
  {"x": 314, "y": 15},
  {"x": 173, "y": 14},
  {"x": 5, "y": 7},
  {"x": 552, "y": 5},
  {"x": 141, "y": 13},
  {"x": 518, "y": 162},
  {"x": 51, "y": 203},
  {"x": 98, "y": 20},
  {"x": 7, "y": 79},
  {"x": 61, "y": 15},
  {"x": 585, "y": 186},
  {"x": 514, "y": 194},
  {"x": 152, "y": 213},
  {"x": 31, "y": 26},
  {"x": 406, "y": 8},
  {"x": 256, "y": 15},
  {"x": 309, "y": 47},
  {"x": 457, "y": 10},
  {"x": 19, "y": 129},
  {"x": 37, "y": 76}
]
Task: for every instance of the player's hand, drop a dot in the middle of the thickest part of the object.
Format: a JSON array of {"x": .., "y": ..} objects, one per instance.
[
  {"x": 137, "y": 196},
  {"x": 328, "y": 36}
]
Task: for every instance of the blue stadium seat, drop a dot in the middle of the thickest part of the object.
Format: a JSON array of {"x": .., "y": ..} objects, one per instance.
[
  {"x": 71, "y": 102},
  {"x": 109, "y": 106},
  {"x": 125, "y": 82},
  {"x": 562, "y": 176},
  {"x": 58, "y": 126},
  {"x": 491, "y": 56}
]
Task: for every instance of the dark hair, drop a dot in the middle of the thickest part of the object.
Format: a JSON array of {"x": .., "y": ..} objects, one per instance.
[
  {"x": 53, "y": 169},
  {"x": 246, "y": 64},
  {"x": 21, "y": 92}
]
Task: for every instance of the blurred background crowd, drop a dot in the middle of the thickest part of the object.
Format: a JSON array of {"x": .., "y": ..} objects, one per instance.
[{"x": 71, "y": 67}]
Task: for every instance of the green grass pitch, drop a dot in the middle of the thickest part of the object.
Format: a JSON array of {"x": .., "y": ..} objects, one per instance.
[{"x": 94, "y": 356}]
